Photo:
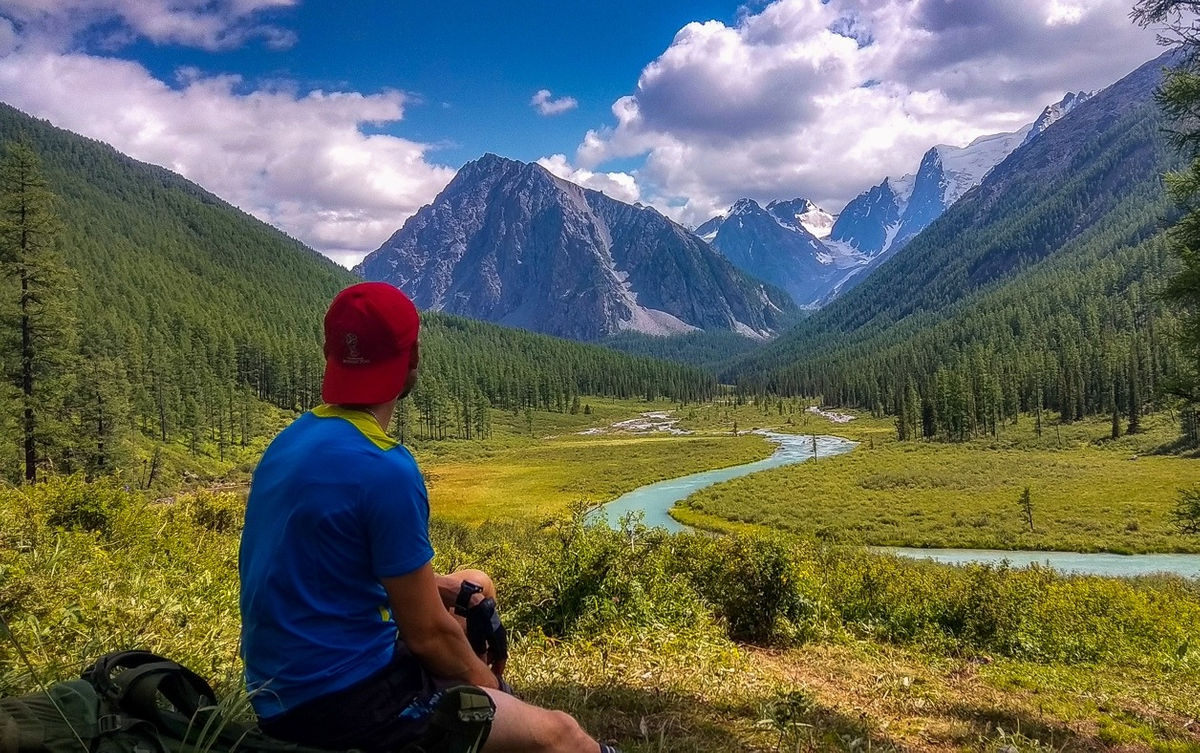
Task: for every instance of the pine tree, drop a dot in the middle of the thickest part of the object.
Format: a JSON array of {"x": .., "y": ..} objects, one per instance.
[
  {"x": 1179, "y": 98},
  {"x": 1026, "y": 503},
  {"x": 36, "y": 300},
  {"x": 1135, "y": 396}
]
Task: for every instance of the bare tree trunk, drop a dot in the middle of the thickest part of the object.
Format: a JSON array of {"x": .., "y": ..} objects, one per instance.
[{"x": 27, "y": 380}]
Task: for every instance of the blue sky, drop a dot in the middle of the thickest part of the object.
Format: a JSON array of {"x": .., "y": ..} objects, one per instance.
[
  {"x": 335, "y": 121},
  {"x": 471, "y": 67}
]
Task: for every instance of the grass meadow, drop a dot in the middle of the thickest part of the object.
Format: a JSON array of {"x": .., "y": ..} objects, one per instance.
[
  {"x": 684, "y": 643},
  {"x": 796, "y": 639},
  {"x": 1089, "y": 492}
]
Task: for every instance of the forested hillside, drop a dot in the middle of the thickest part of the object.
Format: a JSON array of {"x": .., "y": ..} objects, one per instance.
[
  {"x": 1038, "y": 288},
  {"x": 711, "y": 349},
  {"x": 171, "y": 313}
]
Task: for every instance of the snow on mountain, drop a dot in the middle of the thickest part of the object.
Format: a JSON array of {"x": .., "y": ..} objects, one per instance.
[
  {"x": 804, "y": 213},
  {"x": 965, "y": 167},
  {"x": 774, "y": 244},
  {"x": 902, "y": 189},
  {"x": 881, "y": 220},
  {"x": 1053, "y": 113}
]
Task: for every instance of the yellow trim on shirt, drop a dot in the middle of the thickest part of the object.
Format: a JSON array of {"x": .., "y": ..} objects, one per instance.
[{"x": 362, "y": 420}]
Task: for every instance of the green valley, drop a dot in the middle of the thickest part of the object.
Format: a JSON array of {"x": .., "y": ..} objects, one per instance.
[{"x": 1015, "y": 376}]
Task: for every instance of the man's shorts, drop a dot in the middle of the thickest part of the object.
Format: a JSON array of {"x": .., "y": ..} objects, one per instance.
[{"x": 384, "y": 712}]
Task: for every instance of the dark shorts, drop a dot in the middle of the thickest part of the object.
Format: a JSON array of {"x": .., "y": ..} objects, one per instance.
[{"x": 384, "y": 712}]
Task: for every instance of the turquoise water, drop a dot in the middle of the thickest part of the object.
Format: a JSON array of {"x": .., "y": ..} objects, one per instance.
[
  {"x": 1098, "y": 563},
  {"x": 654, "y": 500}
]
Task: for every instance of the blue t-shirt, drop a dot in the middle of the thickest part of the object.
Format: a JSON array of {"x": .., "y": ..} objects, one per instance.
[{"x": 335, "y": 505}]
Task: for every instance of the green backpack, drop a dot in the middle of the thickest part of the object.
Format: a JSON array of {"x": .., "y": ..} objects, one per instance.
[{"x": 137, "y": 702}]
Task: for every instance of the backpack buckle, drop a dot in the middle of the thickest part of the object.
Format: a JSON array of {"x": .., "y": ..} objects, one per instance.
[{"x": 109, "y": 723}]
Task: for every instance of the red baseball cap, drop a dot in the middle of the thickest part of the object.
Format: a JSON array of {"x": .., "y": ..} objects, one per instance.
[{"x": 370, "y": 344}]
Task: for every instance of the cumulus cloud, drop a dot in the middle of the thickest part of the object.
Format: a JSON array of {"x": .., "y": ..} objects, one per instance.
[
  {"x": 822, "y": 99},
  {"x": 545, "y": 103},
  {"x": 298, "y": 161},
  {"x": 620, "y": 186},
  {"x": 208, "y": 24}
]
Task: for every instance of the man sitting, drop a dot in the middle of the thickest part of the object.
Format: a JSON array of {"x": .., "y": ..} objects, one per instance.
[{"x": 349, "y": 637}]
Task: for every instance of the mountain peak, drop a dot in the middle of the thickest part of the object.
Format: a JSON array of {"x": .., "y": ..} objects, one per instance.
[
  {"x": 508, "y": 242},
  {"x": 802, "y": 213},
  {"x": 491, "y": 159},
  {"x": 776, "y": 245},
  {"x": 744, "y": 206},
  {"x": 1055, "y": 112}
]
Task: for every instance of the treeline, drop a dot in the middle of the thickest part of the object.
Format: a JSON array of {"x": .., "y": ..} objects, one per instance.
[
  {"x": 138, "y": 305},
  {"x": 468, "y": 366},
  {"x": 710, "y": 349},
  {"x": 1086, "y": 334}
]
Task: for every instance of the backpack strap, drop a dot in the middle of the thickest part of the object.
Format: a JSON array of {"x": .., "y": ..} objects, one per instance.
[{"x": 137, "y": 683}]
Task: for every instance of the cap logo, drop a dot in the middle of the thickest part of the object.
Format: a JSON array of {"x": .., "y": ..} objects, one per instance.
[{"x": 352, "y": 355}]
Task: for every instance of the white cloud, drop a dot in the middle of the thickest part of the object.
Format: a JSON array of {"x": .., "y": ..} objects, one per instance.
[
  {"x": 208, "y": 24},
  {"x": 620, "y": 186},
  {"x": 298, "y": 161},
  {"x": 822, "y": 99},
  {"x": 545, "y": 103}
]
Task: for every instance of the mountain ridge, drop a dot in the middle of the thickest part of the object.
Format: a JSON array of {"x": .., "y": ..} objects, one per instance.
[{"x": 509, "y": 242}]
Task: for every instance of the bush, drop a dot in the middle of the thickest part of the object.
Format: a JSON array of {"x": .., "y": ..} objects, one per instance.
[
  {"x": 76, "y": 505},
  {"x": 1186, "y": 513},
  {"x": 754, "y": 582},
  {"x": 216, "y": 512},
  {"x": 573, "y": 578}
]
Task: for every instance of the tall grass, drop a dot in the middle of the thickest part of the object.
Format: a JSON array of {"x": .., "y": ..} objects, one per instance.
[{"x": 88, "y": 568}]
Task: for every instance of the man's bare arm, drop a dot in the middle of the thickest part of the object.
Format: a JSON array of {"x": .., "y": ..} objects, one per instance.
[
  {"x": 430, "y": 631},
  {"x": 449, "y": 585}
]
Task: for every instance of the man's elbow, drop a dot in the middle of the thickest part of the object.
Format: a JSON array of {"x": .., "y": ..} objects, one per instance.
[{"x": 433, "y": 639}]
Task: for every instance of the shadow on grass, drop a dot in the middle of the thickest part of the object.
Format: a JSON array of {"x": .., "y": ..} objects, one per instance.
[
  {"x": 1024, "y": 731},
  {"x": 646, "y": 720},
  {"x": 1181, "y": 446}
]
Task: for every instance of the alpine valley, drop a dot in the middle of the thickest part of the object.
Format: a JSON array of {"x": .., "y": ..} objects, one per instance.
[{"x": 977, "y": 362}]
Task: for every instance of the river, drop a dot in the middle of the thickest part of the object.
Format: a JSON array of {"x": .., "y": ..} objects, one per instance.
[{"x": 655, "y": 500}]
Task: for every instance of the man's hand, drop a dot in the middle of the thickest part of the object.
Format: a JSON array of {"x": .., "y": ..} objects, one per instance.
[
  {"x": 450, "y": 585},
  {"x": 431, "y": 632},
  {"x": 487, "y": 635},
  {"x": 494, "y": 651}
]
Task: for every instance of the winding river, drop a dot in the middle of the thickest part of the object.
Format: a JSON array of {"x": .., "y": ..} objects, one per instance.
[{"x": 654, "y": 501}]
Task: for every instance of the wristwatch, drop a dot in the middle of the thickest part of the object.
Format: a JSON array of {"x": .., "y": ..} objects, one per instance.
[{"x": 465, "y": 592}]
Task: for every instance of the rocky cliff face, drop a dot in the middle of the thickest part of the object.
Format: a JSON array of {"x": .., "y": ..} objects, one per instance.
[
  {"x": 774, "y": 244},
  {"x": 510, "y": 243},
  {"x": 884, "y": 218}
]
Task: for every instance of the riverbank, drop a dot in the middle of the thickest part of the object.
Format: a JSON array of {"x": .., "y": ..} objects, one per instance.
[
  {"x": 1089, "y": 493},
  {"x": 559, "y": 461}
]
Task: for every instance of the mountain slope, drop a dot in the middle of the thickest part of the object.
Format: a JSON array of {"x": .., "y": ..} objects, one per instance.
[
  {"x": 191, "y": 314},
  {"x": 1034, "y": 280},
  {"x": 775, "y": 246},
  {"x": 508, "y": 242},
  {"x": 884, "y": 218}
]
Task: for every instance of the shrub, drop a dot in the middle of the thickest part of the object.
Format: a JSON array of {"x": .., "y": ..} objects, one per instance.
[
  {"x": 74, "y": 504},
  {"x": 753, "y": 581},
  {"x": 1186, "y": 513},
  {"x": 215, "y": 511}
]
